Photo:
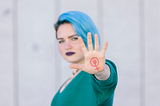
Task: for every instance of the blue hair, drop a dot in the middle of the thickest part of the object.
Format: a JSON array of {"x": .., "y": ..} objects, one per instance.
[{"x": 81, "y": 23}]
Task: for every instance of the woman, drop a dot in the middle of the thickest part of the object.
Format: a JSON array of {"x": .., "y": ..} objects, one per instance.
[{"x": 94, "y": 77}]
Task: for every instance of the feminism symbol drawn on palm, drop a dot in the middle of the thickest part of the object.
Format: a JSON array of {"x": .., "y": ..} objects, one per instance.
[{"x": 95, "y": 62}]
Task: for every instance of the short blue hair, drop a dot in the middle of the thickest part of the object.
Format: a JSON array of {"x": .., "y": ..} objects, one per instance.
[{"x": 81, "y": 23}]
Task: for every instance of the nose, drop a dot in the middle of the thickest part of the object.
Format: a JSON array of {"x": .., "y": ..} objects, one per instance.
[{"x": 68, "y": 45}]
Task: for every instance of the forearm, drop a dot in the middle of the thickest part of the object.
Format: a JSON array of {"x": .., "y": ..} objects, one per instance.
[{"x": 103, "y": 75}]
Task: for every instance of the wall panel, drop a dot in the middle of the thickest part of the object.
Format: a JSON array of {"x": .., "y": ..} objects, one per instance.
[
  {"x": 36, "y": 52},
  {"x": 121, "y": 30},
  {"x": 6, "y": 53},
  {"x": 152, "y": 52}
]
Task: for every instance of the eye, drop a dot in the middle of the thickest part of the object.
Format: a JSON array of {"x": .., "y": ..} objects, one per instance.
[
  {"x": 61, "y": 41},
  {"x": 75, "y": 38}
]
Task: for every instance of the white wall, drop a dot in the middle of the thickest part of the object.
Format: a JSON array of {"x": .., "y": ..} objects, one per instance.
[
  {"x": 32, "y": 70},
  {"x": 6, "y": 54}
]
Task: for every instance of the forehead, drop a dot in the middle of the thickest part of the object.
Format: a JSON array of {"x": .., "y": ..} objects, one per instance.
[{"x": 65, "y": 30}]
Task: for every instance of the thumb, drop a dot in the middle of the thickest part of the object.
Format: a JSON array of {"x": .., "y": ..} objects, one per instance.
[{"x": 77, "y": 66}]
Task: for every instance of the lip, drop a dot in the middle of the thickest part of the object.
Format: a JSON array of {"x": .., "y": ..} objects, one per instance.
[{"x": 70, "y": 53}]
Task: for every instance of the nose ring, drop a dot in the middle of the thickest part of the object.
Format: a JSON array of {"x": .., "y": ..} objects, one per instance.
[{"x": 67, "y": 50}]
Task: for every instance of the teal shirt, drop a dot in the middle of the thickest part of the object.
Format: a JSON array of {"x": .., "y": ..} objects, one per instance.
[{"x": 86, "y": 90}]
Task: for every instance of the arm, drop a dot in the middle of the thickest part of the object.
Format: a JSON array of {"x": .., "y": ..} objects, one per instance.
[{"x": 104, "y": 90}]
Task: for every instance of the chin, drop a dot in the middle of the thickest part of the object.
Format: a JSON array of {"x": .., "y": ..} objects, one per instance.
[{"x": 71, "y": 61}]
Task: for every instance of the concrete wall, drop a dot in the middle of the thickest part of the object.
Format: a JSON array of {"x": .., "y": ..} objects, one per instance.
[{"x": 32, "y": 70}]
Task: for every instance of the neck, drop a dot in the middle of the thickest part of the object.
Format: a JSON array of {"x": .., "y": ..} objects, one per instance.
[{"x": 75, "y": 71}]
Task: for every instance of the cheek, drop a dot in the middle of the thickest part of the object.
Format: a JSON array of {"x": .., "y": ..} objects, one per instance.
[
  {"x": 60, "y": 47},
  {"x": 77, "y": 46}
]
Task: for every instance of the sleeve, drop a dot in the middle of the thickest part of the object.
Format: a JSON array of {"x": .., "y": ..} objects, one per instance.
[{"x": 104, "y": 90}]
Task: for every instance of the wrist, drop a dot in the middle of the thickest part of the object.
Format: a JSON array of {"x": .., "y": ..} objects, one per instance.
[{"x": 103, "y": 75}]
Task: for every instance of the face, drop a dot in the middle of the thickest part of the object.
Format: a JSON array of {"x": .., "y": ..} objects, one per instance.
[{"x": 68, "y": 44}]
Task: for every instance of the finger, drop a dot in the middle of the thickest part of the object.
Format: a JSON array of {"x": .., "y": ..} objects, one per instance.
[
  {"x": 84, "y": 49},
  {"x": 104, "y": 47},
  {"x": 96, "y": 42},
  {"x": 89, "y": 41},
  {"x": 77, "y": 66}
]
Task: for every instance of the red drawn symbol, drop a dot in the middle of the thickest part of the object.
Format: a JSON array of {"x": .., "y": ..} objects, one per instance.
[{"x": 95, "y": 62}]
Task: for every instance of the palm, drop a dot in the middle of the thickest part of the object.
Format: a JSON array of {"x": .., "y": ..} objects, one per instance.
[{"x": 94, "y": 59}]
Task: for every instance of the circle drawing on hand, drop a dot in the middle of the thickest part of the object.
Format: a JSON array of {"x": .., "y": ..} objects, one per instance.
[{"x": 95, "y": 62}]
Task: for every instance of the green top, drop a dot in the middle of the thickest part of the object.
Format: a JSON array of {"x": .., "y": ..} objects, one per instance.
[{"x": 86, "y": 90}]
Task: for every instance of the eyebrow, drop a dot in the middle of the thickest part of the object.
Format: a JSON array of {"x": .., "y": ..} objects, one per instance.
[{"x": 68, "y": 37}]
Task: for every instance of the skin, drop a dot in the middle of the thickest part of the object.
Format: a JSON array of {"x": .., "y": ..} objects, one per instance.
[
  {"x": 82, "y": 57},
  {"x": 94, "y": 62},
  {"x": 68, "y": 40}
]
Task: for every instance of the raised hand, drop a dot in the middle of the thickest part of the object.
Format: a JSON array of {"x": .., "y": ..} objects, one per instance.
[{"x": 94, "y": 59}]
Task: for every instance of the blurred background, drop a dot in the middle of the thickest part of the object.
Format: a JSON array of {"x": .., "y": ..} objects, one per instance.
[{"x": 32, "y": 70}]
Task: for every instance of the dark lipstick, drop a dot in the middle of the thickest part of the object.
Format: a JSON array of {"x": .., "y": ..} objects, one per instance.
[{"x": 70, "y": 53}]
